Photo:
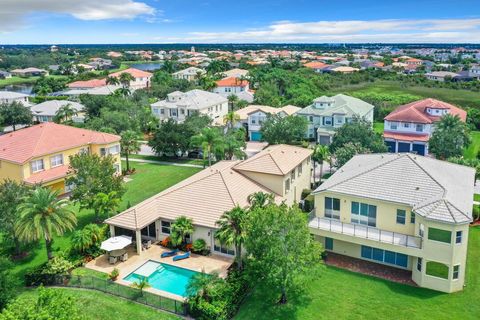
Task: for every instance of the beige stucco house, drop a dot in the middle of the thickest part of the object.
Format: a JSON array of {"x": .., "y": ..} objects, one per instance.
[
  {"x": 402, "y": 210},
  {"x": 282, "y": 170}
]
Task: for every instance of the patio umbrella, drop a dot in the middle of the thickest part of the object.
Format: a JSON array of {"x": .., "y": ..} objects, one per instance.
[{"x": 116, "y": 243}]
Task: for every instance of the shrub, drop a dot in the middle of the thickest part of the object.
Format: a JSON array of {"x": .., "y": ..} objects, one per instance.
[
  {"x": 57, "y": 265},
  {"x": 199, "y": 246},
  {"x": 114, "y": 274}
]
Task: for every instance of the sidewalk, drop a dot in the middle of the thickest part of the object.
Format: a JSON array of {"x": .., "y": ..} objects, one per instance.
[{"x": 165, "y": 163}]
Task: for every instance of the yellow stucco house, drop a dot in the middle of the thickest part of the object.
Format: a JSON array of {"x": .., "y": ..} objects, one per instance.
[
  {"x": 401, "y": 210},
  {"x": 281, "y": 170},
  {"x": 40, "y": 154}
]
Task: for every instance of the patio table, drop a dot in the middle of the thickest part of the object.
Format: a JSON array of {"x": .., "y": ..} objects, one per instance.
[{"x": 117, "y": 253}]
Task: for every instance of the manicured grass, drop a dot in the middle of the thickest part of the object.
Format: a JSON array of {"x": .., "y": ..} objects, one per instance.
[
  {"x": 476, "y": 197},
  {"x": 378, "y": 127},
  {"x": 97, "y": 305},
  {"x": 474, "y": 148},
  {"x": 174, "y": 160},
  {"x": 17, "y": 80},
  {"x": 332, "y": 293},
  {"x": 148, "y": 180}
]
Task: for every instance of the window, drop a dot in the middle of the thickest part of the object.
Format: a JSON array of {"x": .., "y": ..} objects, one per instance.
[
  {"x": 114, "y": 149},
  {"x": 456, "y": 271},
  {"x": 287, "y": 185},
  {"x": 149, "y": 231},
  {"x": 421, "y": 230},
  {"x": 436, "y": 269},
  {"x": 162, "y": 111},
  {"x": 182, "y": 111},
  {"x": 37, "y": 165},
  {"x": 332, "y": 208},
  {"x": 83, "y": 150},
  {"x": 363, "y": 213},
  {"x": 412, "y": 217},
  {"x": 56, "y": 160},
  {"x": 292, "y": 175},
  {"x": 419, "y": 264},
  {"x": 328, "y": 243},
  {"x": 406, "y": 125},
  {"x": 116, "y": 166},
  {"x": 166, "y": 227},
  {"x": 222, "y": 248},
  {"x": 300, "y": 169},
  {"x": 458, "y": 237},
  {"x": 400, "y": 216},
  {"x": 103, "y": 151},
  {"x": 327, "y": 121},
  {"x": 439, "y": 235},
  {"x": 393, "y": 125},
  {"x": 311, "y": 118},
  {"x": 384, "y": 256},
  {"x": 419, "y": 127}
]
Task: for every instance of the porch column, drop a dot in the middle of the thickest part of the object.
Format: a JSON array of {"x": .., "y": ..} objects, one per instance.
[
  {"x": 112, "y": 231},
  {"x": 138, "y": 236}
]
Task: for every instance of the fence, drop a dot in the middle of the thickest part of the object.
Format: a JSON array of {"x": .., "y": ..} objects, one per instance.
[{"x": 108, "y": 286}]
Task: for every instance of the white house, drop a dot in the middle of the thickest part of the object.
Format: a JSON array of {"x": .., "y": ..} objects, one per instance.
[
  {"x": 235, "y": 86},
  {"x": 142, "y": 79},
  {"x": 190, "y": 74},
  {"x": 179, "y": 105},
  {"x": 9, "y": 97},
  {"x": 46, "y": 111}
]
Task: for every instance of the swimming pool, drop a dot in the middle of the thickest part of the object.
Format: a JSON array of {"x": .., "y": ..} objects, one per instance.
[{"x": 162, "y": 276}]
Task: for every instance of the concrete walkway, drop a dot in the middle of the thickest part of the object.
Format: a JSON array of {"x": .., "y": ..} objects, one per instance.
[{"x": 166, "y": 163}]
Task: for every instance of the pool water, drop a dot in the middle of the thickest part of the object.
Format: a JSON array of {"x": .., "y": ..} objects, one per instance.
[{"x": 163, "y": 277}]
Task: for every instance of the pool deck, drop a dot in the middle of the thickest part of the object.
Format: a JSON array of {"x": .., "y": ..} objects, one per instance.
[{"x": 199, "y": 263}]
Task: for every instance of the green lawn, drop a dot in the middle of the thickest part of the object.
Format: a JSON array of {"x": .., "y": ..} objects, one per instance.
[
  {"x": 474, "y": 148},
  {"x": 476, "y": 197},
  {"x": 17, "y": 80},
  {"x": 175, "y": 160},
  {"x": 148, "y": 180},
  {"x": 332, "y": 293},
  {"x": 97, "y": 305}
]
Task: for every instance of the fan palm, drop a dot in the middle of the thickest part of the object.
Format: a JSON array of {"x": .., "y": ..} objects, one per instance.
[
  {"x": 65, "y": 113},
  {"x": 202, "y": 284},
  {"x": 320, "y": 154},
  {"x": 180, "y": 228},
  {"x": 231, "y": 231},
  {"x": 129, "y": 144},
  {"x": 125, "y": 79},
  {"x": 43, "y": 215},
  {"x": 260, "y": 199},
  {"x": 232, "y": 100},
  {"x": 141, "y": 285},
  {"x": 209, "y": 139},
  {"x": 113, "y": 81},
  {"x": 230, "y": 119}
]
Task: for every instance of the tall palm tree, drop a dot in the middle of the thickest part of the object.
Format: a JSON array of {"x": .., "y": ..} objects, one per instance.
[
  {"x": 113, "y": 81},
  {"x": 320, "y": 154},
  {"x": 231, "y": 231},
  {"x": 123, "y": 92},
  {"x": 125, "y": 79},
  {"x": 209, "y": 139},
  {"x": 232, "y": 101},
  {"x": 260, "y": 199},
  {"x": 180, "y": 228},
  {"x": 129, "y": 144},
  {"x": 65, "y": 113},
  {"x": 234, "y": 144},
  {"x": 43, "y": 215},
  {"x": 230, "y": 119}
]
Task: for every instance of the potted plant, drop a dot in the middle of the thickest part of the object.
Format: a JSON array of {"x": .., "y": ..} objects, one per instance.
[
  {"x": 114, "y": 274},
  {"x": 199, "y": 246}
]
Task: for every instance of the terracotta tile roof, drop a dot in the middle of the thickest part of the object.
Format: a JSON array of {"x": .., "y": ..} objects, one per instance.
[
  {"x": 94, "y": 83},
  {"x": 315, "y": 65},
  {"x": 231, "y": 82},
  {"x": 48, "y": 175},
  {"x": 416, "y": 111},
  {"x": 134, "y": 72},
  {"x": 277, "y": 159},
  {"x": 406, "y": 136},
  {"x": 46, "y": 138}
]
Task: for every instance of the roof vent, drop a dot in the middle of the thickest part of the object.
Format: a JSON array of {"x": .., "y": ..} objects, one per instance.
[{"x": 417, "y": 188}]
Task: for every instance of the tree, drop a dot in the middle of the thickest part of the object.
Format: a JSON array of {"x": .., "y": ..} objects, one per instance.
[
  {"x": 141, "y": 285},
  {"x": 232, "y": 101},
  {"x": 114, "y": 81},
  {"x": 105, "y": 204},
  {"x": 65, "y": 113},
  {"x": 231, "y": 119},
  {"x": 15, "y": 113},
  {"x": 358, "y": 131},
  {"x": 209, "y": 139},
  {"x": 203, "y": 285},
  {"x": 89, "y": 236},
  {"x": 345, "y": 153},
  {"x": 42, "y": 216},
  {"x": 231, "y": 231},
  {"x": 12, "y": 195},
  {"x": 207, "y": 83},
  {"x": 171, "y": 137},
  {"x": 260, "y": 199},
  {"x": 234, "y": 144},
  {"x": 7, "y": 285},
  {"x": 125, "y": 79},
  {"x": 283, "y": 129},
  {"x": 129, "y": 144},
  {"x": 319, "y": 155},
  {"x": 280, "y": 246},
  {"x": 449, "y": 138},
  {"x": 92, "y": 174},
  {"x": 48, "y": 304},
  {"x": 180, "y": 228}
]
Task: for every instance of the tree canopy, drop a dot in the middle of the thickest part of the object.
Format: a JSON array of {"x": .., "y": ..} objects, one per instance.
[
  {"x": 283, "y": 129},
  {"x": 449, "y": 138},
  {"x": 358, "y": 131}
]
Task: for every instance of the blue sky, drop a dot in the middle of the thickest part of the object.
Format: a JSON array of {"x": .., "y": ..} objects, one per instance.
[{"x": 210, "y": 21}]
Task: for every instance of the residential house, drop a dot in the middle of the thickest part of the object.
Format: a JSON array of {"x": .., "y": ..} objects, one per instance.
[
  {"x": 178, "y": 105},
  {"x": 409, "y": 127},
  {"x": 281, "y": 170},
  {"x": 40, "y": 154},
  {"x": 101, "y": 64},
  {"x": 441, "y": 75},
  {"x": 46, "y": 111},
  {"x": 236, "y": 73},
  {"x": 400, "y": 210},
  {"x": 7, "y": 97},
  {"x": 253, "y": 116},
  {"x": 5, "y": 75},
  {"x": 190, "y": 74},
  {"x": 87, "y": 84},
  {"x": 29, "y": 72},
  {"x": 235, "y": 86},
  {"x": 474, "y": 71},
  {"x": 326, "y": 114},
  {"x": 141, "y": 79},
  {"x": 316, "y": 66}
]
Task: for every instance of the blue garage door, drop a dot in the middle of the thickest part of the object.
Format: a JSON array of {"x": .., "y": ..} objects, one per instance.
[
  {"x": 391, "y": 146},
  {"x": 255, "y": 136},
  {"x": 403, "y": 147},
  {"x": 419, "y": 149}
]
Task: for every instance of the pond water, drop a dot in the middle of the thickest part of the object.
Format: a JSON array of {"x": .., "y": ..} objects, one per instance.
[
  {"x": 20, "y": 88},
  {"x": 147, "y": 66}
]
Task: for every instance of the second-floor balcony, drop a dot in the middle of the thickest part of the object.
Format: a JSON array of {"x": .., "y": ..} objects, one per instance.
[{"x": 370, "y": 233}]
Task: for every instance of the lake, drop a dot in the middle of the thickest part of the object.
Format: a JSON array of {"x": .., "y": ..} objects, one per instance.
[
  {"x": 147, "y": 66},
  {"x": 20, "y": 88}
]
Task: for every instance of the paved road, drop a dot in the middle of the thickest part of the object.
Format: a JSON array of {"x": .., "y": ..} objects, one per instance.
[{"x": 166, "y": 163}]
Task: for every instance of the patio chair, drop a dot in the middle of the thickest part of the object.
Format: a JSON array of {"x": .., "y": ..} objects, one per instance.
[
  {"x": 182, "y": 256},
  {"x": 147, "y": 244},
  {"x": 124, "y": 257},
  {"x": 169, "y": 253},
  {"x": 112, "y": 260}
]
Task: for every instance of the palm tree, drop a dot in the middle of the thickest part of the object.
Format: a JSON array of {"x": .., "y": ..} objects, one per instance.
[
  {"x": 320, "y": 154},
  {"x": 202, "y": 284},
  {"x": 234, "y": 144},
  {"x": 81, "y": 241},
  {"x": 180, "y": 228},
  {"x": 42, "y": 216},
  {"x": 124, "y": 92},
  {"x": 141, "y": 285},
  {"x": 260, "y": 199},
  {"x": 231, "y": 231},
  {"x": 104, "y": 204},
  {"x": 209, "y": 139},
  {"x": 230, "y": 119},
  {"x": 125, "y": 79},
  {"x": 113, "y": 81},
  {"x": 65, "y": 113},
  {"x": 232, "y": 100},
  {"x": 129, "y": 144}
]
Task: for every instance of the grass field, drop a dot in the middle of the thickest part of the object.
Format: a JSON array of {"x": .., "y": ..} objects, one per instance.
[
  {"x": 473, "y": 150},
  {"x": 173, "y": 160},
  {"x": 148, "y": 180},
  {"x": 332, "y": 293},
  {"x": 17, "y": 80},
  {"x": 97, "y": 305}
]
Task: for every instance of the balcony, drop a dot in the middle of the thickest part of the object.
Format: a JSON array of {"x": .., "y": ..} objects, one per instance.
[{"x": 365, "y": 232}]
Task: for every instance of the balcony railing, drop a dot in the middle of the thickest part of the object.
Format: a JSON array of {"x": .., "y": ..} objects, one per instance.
[{"x": 365, "y": 232}]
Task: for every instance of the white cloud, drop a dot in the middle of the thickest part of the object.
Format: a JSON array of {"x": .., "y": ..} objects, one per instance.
[{"x": 14, "y": 12}]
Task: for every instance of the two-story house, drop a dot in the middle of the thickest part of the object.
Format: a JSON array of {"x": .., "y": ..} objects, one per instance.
[
  {"x": 409, "y": 127},
  {"x": 141, "y": 79},
  {"x": 47, "y": 110},
  {"x": 400, "y": 210},
  {"x": 190, "y": 74},
  {"x": 179, "y": 105},
  {"x": 281, "y": 170},
  {"x": 326, "y": 114},
  {"x": 235, "y": 86},
  {"x": 40, "y": 154},
  {"x": 253, "y": 116}
]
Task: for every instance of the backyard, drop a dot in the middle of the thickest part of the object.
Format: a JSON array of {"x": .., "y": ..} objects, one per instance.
[{"x": 332, "y": 293}]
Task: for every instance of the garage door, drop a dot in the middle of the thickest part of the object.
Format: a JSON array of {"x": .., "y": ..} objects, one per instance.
[
  {"x": 419, "y": 149},
  {"x": 390, "y": 146},
  {"x": 403, "y": 147},
  {"x": 255, "y": 136},
  {"x": 324, "y": 140}
]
